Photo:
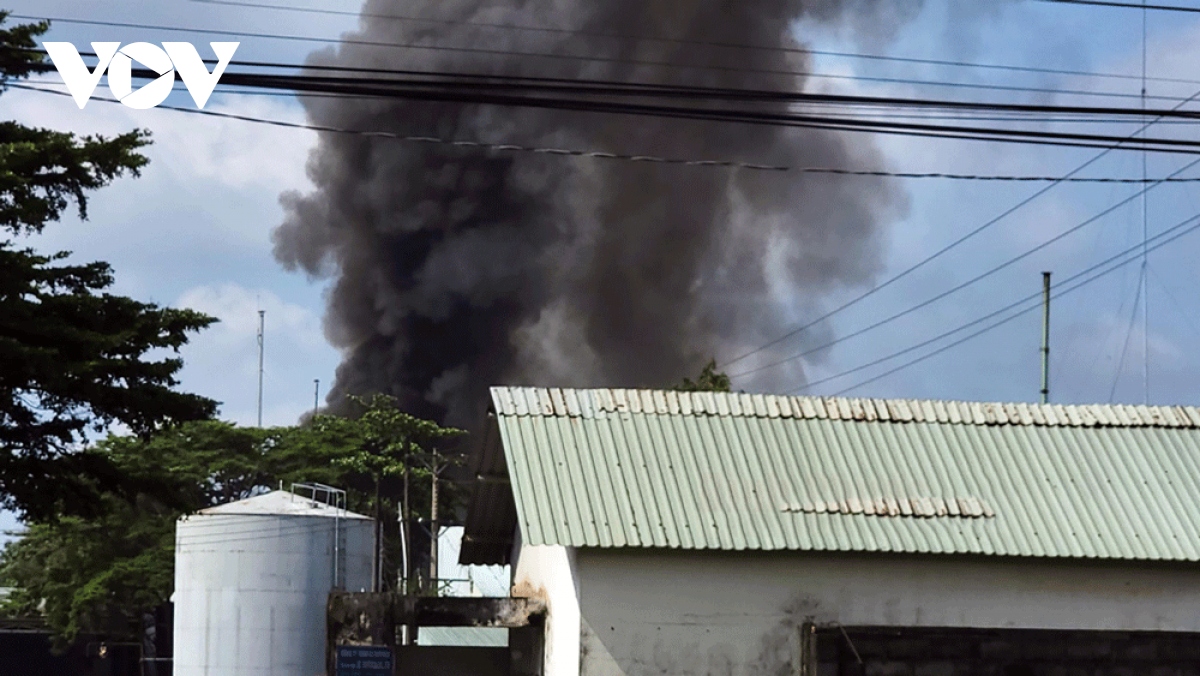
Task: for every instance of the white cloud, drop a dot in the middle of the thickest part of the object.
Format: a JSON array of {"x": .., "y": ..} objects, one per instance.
[
  {"x": 203, "y": 164},
  {"x": 237, "y": 308}
]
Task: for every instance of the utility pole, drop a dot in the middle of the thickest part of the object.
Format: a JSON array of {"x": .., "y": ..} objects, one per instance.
[
  {"x": 262, "y": 314},
  {"x": 437, "y": 463},
  {"x": 316, "y": 395},
  {"x": 1045, "y": 337}
]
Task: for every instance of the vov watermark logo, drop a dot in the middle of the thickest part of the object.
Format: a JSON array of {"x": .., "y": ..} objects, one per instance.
[{"x": 171, "y": 58}]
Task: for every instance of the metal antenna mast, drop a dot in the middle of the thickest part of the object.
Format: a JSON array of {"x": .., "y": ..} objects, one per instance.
[
  {"x": 1145, "y": 239},
  {"x": 261, "y": 323}
]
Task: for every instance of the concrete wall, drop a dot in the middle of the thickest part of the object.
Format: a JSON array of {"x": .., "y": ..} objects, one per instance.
[
  {"x": 548, "y": 573},
  {"x": 728, "y": 614}
]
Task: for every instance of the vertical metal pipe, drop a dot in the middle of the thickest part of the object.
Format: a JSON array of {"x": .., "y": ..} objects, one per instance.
[
  {"x": 261, "y": 324},
  {"x": 433, "y": 526},
  {"x": 1045, "y": 337},
  {"x": 316, "y": 396}
]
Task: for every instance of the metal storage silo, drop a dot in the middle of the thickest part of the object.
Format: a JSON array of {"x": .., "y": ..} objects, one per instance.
[{"x": 252, "y": 579}]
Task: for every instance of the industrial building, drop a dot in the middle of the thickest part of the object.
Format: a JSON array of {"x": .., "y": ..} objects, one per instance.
[{"x": 734, "y": 534}]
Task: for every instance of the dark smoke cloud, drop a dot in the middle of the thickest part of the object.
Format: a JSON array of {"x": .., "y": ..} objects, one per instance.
[{"x": 455, "y": 270}]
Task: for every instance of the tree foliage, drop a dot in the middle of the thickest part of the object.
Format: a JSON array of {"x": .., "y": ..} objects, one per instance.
[
  {"x": 97, "y": 574},
  {"x": 385, "y": 439},
  {"x": 73, "y": 357},
  {"x": 390, "y": 455},
  {"x": 710, "y": 380}
]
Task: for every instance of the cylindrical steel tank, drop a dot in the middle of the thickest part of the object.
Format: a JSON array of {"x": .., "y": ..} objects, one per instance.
[{"x": 252, "y": 579}]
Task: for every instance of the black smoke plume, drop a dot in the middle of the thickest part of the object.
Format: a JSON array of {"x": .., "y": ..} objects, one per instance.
[{"x": 458, "y": 269}]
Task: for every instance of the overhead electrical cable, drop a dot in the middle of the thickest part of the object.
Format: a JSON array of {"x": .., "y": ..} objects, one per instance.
[
  {"x": 681, "y": 41},
  {"x": 1127, "y": 5},
  {"x": 889, "y": 80},
  {"x": 450, "y": 92},
  {"x": 415, "y": 80},
  {"x": 999, "y": 116},
  {"x": 959, "y": 287},
  {"x": 392, "y": 86},
  {"x": 1137, "y": 299},
  {"x": 942, "y": 251},
  {"x": 418, "y": 46},
  {"x": 1178, "y": 231},
  {"x": 523, "y": 54},
  {"x": 594, "y": 154}
]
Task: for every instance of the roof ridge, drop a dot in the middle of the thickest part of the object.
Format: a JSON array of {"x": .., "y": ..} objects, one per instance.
[{"x": 600, "y": 402}]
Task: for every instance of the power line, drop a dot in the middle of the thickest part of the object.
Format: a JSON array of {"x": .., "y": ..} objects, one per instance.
[
  {"x": 1126, "y": 5},
  {"x": 831, "y": 76},
  {"x": 706, "y": 43},
  {"x": 1031, "y": 308},
  {"x": 1137, "y": 299},
  {"x": 566, "y": 57},
  {"x": 423, "y": 81},
  {"x": 447, "y": 88},
  {"x": 850, "y": 114},
  {"x": 416, "y": 46},
  {"x": 595, "y": 154},
  {"x": 450, "y": 85},
  {"x": 460, "y": 93},
  {"x": 955, "y": 289},
  {"x": 940, "y": 252}
]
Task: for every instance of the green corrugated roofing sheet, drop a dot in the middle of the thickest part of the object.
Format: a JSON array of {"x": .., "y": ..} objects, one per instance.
[{"x": 624, "y": 468}]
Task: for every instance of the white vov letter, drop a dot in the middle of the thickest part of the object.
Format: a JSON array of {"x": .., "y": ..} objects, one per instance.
[
  {"x": 199, "y": 82},
  {"x": 79, "y": 80}
]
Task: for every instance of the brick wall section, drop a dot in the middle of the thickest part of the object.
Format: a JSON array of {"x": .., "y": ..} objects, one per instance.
[{"x": 1005, "y": 652}]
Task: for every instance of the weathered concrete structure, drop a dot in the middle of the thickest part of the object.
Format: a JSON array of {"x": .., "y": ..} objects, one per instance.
[
  {"x": 376, "y": 619},
  {"x": 744, "y": 535}
]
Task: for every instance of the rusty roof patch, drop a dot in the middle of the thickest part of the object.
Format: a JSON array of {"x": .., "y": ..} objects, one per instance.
[{"x": 529, "y": 401}]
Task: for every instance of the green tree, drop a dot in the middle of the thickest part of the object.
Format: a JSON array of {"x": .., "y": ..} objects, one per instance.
[
  {"x": 73, "y": 358},
  {"x": 98, "y": 574},
  {"x": 710, "y": 380},
  {"x": 382, "y": 442}
]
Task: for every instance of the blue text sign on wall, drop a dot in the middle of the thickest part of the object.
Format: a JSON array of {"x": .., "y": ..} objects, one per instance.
[{"x": 362, "y": 660}]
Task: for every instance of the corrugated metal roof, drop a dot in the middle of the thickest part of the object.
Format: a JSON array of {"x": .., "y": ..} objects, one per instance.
[
  {"x": 522, "y": 401},
  {"x": 637, "y": 468}
]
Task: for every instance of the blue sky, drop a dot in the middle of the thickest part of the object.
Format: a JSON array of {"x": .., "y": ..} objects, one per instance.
[{"x": 194, "y": 230}]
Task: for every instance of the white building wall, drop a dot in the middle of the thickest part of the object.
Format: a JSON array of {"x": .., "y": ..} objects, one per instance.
[
  {"x": 666, "y": 613},
  {"x": 251, "y": 591},
  {"x": 548, "y": 573}
]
